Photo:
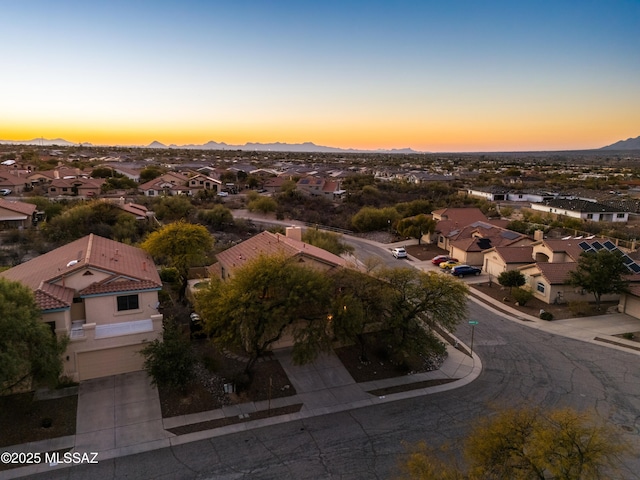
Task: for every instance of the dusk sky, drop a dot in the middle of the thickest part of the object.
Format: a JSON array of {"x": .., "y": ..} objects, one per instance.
[{"x": 438, "y": 76}]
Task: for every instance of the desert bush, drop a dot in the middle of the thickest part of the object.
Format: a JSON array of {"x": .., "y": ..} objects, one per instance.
[
  {"x": 544, "y": 315},
  {"x": 579, "y": 307},
  {"x": 522, "y": 296}
]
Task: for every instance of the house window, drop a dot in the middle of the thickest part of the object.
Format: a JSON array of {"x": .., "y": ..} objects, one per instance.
[
  {"x": 589, "y": 216},
  {"x": 128, "y": 302},
  {"x": 52, "y": 189},
  {"x": 540, "y": 287},
  {"x": 619, "y": 215}
]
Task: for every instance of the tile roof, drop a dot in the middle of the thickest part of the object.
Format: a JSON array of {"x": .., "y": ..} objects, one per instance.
[
  {"x": 519, "y": 254},
  {"x": 46, "y": 273},
  {"x": 267, "y": 243},
  {"x": 20, "y": 207},
  {"x": 557, "y": 273}
]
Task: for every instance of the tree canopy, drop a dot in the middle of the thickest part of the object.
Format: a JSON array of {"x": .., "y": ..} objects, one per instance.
[
  {"x": 265, "y": 298},
  {"x": 416, "y": 227},
  {"x": 527, "y": 444},
  {"x": 329, "y": 241},
  {"x": 28, "y": 347},
  {"x": 511, "y": 278},
  {"x": 416, "y": 303},
  {"x": 600, "y": 273},
  {"x": 180, "y": 245}
]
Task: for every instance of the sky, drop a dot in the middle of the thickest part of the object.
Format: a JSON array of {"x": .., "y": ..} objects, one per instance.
[{"x": 436, "y": 76}]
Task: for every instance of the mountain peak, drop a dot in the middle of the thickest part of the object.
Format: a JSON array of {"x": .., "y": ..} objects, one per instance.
[{"x": 628, "y": 144}]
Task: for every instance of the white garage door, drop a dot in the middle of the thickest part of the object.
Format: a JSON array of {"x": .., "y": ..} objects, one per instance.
[{"x": 112, "y": 361}]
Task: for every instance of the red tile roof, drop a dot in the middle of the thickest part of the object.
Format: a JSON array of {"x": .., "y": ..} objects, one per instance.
[
  {"x": 47, "y": 272},
  {"x": 557, "y": 273},
  {"x": 20, "y": 207},
  {"x": 267, "y": 243},
  {"x": 520, "y": 254}
]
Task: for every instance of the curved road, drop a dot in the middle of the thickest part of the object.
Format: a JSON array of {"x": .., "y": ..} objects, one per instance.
[{"x": 521, "y": 366}]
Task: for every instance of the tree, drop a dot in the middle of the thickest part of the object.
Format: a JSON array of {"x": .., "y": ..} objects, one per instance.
[
  {"x": 416, "y": 227},
  {"x": 369, "y": 219},
  {"x": 511, "y": 278},
  {"x": 528, "y": 444},
  {"x": 170, "y": 362},
  {"x": 149, "y": 173},
  {"x": 328, "y": 241},
  {"x": 180, "y": 245},
  {"x": 417, "y": 302},
  {"x": 216, "y": 217},
  {"x": 265, "y": 298},
  {"x": 28, "y": 347},
  {"x": 262, "y": 205},
  {"x": 358, "y": 306},
  {"x": 600, "y": 273}
]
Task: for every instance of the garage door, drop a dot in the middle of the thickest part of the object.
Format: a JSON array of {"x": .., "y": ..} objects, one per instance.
[{"x": 112, "y": 361}]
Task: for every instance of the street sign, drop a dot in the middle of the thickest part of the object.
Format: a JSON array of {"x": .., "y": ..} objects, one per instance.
[{"x": 473, "y": 322}]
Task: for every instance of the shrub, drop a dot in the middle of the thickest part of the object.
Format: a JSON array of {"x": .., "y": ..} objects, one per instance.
[
  {"x": 627, "y": 336},
  {"x": 169, "y": 274},
  {"x": 522, "y": 296},
  {"x": 544, "y": 315},
  {"x": 579, "y": 307}
]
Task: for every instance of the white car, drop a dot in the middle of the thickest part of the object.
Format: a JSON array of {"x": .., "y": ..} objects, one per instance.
[
  {"x": 223, "y": 194},
  {"x": 5, "y": 191},
  {"x": 399, "y": 252}
]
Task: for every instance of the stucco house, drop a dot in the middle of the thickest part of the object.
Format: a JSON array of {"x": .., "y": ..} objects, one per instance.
[
  {"x": 583, "y": 209},
  {"x": 103, "y": 295},
  {"x": 469, "y": 243},
  {"x": 167, "y": 184},
  {"x": 267, "y": 243},
  {"x": 14, "y": 214},
  {"x": 504, "y": 259}
]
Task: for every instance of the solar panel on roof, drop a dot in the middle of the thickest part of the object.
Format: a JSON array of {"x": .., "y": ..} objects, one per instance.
[
  {"x": 597, "y": 245},
  {"x": 609, "y": 245},
  {"x": 584, "y": 246},
  {"x": 627, "y": 260},
  {"x": 634, "y": 267},
  {"x": 510, "y": 235}
]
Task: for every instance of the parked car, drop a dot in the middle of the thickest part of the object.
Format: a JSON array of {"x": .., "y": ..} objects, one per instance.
[
  {"x": 449, "y": 264},
  {"x": 399, "y": 252},
  {"x": 5, "y": 191},
  {"x": 223, "y": 194},
  {"x": 438, "y": 259},
  {"x": 462, "y": 270}
]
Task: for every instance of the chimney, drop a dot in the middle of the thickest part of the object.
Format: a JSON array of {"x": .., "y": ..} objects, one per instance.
[
  {"x": 295, "y": 233},
  {"x": 538, "y": 235}
]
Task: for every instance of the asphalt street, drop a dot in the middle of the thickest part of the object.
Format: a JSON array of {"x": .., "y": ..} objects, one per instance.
[{"x": 522, "y": 366}]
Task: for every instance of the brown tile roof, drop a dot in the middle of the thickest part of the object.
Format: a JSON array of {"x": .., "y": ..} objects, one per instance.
[
  {"x": 52, "y": 297},
  {"x": 20, "y": 207},
  {"x": 557, "y": 273},
  {"x": 569, "y": 246},
  {"x": 480, "y": 236},
  {"x": 520, "y": 254},
  {"x": 111, "y": 286},
  {"x": 267, "y": 243},
  {"x": 91, "y": 252}
]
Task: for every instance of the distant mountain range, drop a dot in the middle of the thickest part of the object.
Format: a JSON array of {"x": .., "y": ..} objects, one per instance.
[
  {"x": 211, "y": 145},
  {"x": 628, "y": 144}
]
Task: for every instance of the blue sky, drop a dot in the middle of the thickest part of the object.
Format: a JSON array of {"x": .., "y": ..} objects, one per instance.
[{"x": 434, "y": 76}]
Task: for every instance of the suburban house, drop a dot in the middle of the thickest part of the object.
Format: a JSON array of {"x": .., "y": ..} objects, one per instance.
[
  {"x": 15, "y": 214},
  {"x": 503, "y": 259},
  {"x": 469, "y": 243},
  {"x": 14, "y": 180},
  {"x": 552, "y": 260},
  {"x": 267, "y": 243},
  {"x": 583, "y": 209},
  {"x": 201, "y": 181},
  {"x": 630, "y": 301},
  {"x": 500, "y": 194},
  {"x": 167, "y": 184},
  {"x": 319, "y": 187},
  {"x": 85, "y": 187},
  {"x": 103, "y": 295}
]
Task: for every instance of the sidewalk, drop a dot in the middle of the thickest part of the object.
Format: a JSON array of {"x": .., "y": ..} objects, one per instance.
[{"x": 119, "y": 416}]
